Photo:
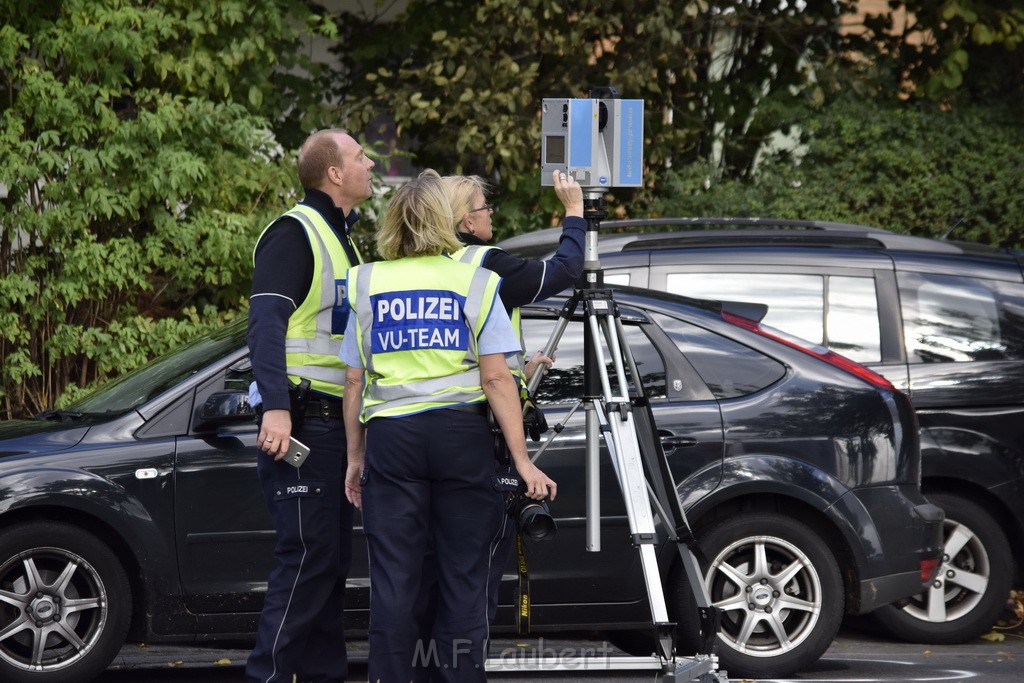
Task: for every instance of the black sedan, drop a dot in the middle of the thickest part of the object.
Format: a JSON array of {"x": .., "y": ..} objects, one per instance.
[{"x": 135, "y": 514}]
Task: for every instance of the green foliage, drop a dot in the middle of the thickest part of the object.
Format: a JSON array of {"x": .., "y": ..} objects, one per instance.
[
  {"x": 142, "y": 142},
  {"x": 913, "y": 168},
  {"x": 461, "y": 82},
  {"x": 138, "y": 169},
  {"x": 954, "y": 48}
]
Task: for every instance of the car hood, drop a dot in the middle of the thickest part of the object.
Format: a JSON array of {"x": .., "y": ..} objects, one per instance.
[{"x": 18, "y": 437}]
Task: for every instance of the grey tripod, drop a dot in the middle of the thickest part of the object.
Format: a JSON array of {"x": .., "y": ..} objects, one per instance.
[{"x": 627, "y": 424}]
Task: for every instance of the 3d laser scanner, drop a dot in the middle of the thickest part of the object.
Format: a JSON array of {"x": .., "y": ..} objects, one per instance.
[{"x": 599, "y": 141}]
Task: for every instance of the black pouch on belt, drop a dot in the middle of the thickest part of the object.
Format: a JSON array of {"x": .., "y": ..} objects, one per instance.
[
  {"x": 534, "y": 422},
  {"x": 299, "y": 396},
  {"x": 501, "y": 453}
]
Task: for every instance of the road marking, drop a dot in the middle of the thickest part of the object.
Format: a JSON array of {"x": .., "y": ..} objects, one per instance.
[{"x": 942, "y": 675}]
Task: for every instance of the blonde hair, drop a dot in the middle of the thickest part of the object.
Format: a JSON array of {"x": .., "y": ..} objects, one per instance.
[
  {"x": 319, "y": 152},
  {"x": 463, "y": 189},
  {"x": 418, "y": 220}
]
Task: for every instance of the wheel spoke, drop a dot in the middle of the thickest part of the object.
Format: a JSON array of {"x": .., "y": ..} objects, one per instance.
[
  {"x": 974, "y": 582},
  {"x": 760, "y": 561},
  {"x": 779, "y": 629},
  {"x": 788, "y": 573},
  {"x": 936, "y": 604},
  {"x": 82, "y": 604},
  {"x": 733, "y": 574},
  {"x": 959, "y": 537},
  {"x": 69, "y": 635},
  {"x": 65, "y": 578},
  {"x": 736, "y": 602},
  {"x": 17, "y": 599},
  {"x": 32, "y": 578},
  {"x": 791, "y": 603},
  {"x": 750, "y": 622},
  {"x": 16, "y": 626},
  {"x": 39, "y": 646}
]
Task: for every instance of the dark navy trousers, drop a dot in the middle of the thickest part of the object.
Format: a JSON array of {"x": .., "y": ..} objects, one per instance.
[
  {"x": 301, "y": 628},
  {"x": 429, "y": 509},
  {"x": 501, "y": 548}
]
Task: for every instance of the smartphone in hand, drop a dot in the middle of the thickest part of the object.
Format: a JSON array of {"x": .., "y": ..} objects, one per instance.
[{"x": 297, "y": 452}]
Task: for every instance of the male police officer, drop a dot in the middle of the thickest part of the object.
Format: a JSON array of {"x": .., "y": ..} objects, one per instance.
[{"x": 297, "y": 316}]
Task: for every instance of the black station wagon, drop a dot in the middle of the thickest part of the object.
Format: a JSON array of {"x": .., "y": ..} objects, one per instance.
[
  {"x": 135, "y": 514},
  {"x": 942, "y": 320}
]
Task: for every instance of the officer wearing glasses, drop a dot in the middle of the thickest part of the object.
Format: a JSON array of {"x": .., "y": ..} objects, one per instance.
[{"x": 523, "y": 281}]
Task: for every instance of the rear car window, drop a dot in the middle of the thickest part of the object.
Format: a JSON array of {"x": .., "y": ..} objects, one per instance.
[
  {"x": 838, "y": 312},
  {"x": 729, "y": 368},
  {"x": 949, "y": 318}
]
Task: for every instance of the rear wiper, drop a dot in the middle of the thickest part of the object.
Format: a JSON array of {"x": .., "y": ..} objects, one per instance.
[{"x": 61, "y": 415}]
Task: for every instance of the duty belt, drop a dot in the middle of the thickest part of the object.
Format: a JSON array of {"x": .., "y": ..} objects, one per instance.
[
  {"x": 474, "y": 408},
  {"x": 324, "y": 408}
]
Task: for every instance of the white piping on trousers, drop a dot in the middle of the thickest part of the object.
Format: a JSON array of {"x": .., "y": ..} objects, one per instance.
[{"x": 287, "y": 607}]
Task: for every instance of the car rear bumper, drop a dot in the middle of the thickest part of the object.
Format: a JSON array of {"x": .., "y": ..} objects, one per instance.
[{"x": 904, "y": 549}]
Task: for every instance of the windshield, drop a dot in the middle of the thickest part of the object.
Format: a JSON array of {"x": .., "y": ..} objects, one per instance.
[{"x": 149, "y": 381}]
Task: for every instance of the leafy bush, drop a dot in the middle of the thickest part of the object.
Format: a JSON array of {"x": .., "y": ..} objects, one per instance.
[
  {"x": 913, "y": 168},
  {"x": 137, "y": 174}
]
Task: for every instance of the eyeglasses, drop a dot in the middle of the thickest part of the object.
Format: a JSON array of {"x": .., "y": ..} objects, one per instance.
[{"x": 486, "y": 207}]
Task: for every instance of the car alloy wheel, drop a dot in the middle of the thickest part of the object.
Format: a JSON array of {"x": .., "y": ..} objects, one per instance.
[
  {"x": 779, "y": 591},
  {"x": 971, "y": 586},
  {"x": 63, "y": 604}
]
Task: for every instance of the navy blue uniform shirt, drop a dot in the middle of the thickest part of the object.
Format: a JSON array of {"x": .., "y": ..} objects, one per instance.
[{"x": 527, "y": 280}]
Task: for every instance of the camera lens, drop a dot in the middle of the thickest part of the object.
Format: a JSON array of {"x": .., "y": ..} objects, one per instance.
[{"x": 535, "y": 521}]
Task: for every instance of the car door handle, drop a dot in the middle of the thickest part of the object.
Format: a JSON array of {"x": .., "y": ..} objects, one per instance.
[{"x": 670, "y": 440}]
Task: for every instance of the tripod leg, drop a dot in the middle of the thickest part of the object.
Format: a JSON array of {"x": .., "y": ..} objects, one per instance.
[
  {"x": 556, "y": 336},
  {"x": 661, "y": 489},
  {"x": 593, "y": 472},
  {"x": 623, "y": 447}
]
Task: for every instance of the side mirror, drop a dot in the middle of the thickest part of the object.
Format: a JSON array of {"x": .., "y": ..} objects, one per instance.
[{"x": 226, "y": 407}]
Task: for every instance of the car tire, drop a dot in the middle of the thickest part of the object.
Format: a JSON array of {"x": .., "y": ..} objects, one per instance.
[
  {"x": 783, "y": 569},
  {"x": 972, "y": 585},
  {"x": 65, "y": 604}
]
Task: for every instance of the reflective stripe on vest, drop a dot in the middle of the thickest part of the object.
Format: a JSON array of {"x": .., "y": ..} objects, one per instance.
[
  {"x": 316, "y": 327},
  {"x": 474, "y": 254},
  {"x": 412, "y": 378}
]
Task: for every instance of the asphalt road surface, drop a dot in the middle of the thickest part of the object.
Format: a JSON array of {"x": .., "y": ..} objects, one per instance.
[{"x": 857, "y": 656}]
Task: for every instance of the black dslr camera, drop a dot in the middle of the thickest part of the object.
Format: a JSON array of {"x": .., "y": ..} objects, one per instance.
[{"x": 532, "y": 517}]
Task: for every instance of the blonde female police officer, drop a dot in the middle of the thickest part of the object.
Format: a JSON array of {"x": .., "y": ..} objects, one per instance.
[
  {"x": 426, "y": 349},
  {"x": 523, "y": 281}
]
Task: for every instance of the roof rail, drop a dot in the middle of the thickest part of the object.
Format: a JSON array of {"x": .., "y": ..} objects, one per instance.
[
  {"x": 743, "y": 222},
  {"x": 671, "y": 232},
  {"x": 769, "y": 231}
]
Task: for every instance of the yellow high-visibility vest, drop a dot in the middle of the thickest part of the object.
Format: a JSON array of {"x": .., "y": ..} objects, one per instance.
[
  {"x": 418, "y": 321},
  {"x": 317, "y": 326},
  {"x": 474, "y": 254}
]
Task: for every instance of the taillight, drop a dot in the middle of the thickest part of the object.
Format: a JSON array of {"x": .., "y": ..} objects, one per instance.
[
  {"x": 928, "y": 570},
  {"x": 830, "y": 357}
]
